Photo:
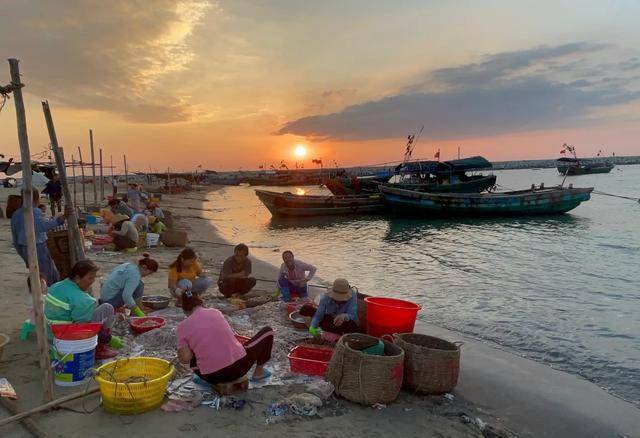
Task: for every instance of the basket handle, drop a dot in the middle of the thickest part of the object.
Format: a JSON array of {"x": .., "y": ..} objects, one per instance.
[
  {"x": 458, "y": 344},
  {"x": 388, "y": 338}
]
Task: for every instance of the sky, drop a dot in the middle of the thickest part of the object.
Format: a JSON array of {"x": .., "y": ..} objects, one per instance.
[{"x": 238, "y": 84}]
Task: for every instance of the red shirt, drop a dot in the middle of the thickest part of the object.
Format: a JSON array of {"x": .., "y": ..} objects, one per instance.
[{"x": 209, "y": 336}]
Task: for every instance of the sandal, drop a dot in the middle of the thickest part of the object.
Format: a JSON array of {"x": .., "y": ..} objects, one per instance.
[{"x": 265, "y": 376}]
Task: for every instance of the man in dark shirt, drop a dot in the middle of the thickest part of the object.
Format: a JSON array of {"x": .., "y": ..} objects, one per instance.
[
  {"x": 235, "y": 276},
  {"x": 53, "y": 190}
]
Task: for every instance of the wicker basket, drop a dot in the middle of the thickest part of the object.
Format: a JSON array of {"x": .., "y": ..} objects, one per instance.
[
  {"x": 174, "y": 238},
  {"x": 363, "y": 378},
  {"x": 121, "y": 396},
  {"x": 431, "y": 365}
]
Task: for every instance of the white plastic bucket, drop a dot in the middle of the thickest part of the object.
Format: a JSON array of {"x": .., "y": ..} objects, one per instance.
[
  {"x": 152, "y": 239},
  {"x": 73, "y": 360}
]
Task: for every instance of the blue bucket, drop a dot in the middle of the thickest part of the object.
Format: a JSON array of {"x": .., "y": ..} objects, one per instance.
[{"x": 73, "y": 360}]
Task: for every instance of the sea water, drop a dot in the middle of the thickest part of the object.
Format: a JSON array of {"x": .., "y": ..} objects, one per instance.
[{"x": 563, "y": 290}]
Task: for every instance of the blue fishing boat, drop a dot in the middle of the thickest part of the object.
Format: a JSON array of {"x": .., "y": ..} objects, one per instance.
[{"x": 537, "y": 200}]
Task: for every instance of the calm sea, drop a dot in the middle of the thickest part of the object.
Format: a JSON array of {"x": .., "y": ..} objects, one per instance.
[{"x": 563, "y": 290}]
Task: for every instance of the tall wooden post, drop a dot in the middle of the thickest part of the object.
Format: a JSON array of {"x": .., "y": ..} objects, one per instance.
[
  {"x": 101, "y": 179},
  {"x": 75, "y": 241},
  {"x": 114, "y": 184},
  {"x": 84, "y": 190},
  {"x": 29, "y": 229},
  {"x": 126, "y": 173},
  {"x": 73, "y": 172},
  {"x": 93, "y": 169}
]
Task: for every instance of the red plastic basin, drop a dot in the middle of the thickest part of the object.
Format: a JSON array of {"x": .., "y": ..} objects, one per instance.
[
  {"x": 142, "y": 324},
  {"x": 387, "y": 316},
  {"x": 312, "y": 361},
  {"x": 75, "y": 332}
]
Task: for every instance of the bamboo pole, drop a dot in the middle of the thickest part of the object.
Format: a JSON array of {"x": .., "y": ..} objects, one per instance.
[
  {"x": 101, "y": 179},
  {"x": 76, "y": 248},
  {"x": 29, "y": 228},
  {"x": 126, "y": 172},
  {"x": 114, "y": 184},
  {"x": 73, "y": 172},
  {"x": 84, "y": 190},
  {"x": 93, "y": 169},
  {"x": 49, "y": 405},
  {"x": 27, "y": 423}
]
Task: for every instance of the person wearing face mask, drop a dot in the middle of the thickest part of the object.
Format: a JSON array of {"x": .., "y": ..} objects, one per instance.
[
  {"x": 124, "y": 286},
  {"x": 70, "y": 301}
]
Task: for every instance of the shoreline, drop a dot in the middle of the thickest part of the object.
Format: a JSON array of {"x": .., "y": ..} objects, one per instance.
[
  {"x": 575, "y": 408},
  {"x": 527, "y": 397}
]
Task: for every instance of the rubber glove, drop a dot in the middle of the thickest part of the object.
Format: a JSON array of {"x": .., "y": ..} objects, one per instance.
[
  {"x": 115, "y": 342},
  {"x": 315, "y": 331},
  {"x": 137, "y": 311}
]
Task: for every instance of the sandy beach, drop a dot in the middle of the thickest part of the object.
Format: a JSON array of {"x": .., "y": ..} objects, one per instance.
[{"x": 499, "y": 394}]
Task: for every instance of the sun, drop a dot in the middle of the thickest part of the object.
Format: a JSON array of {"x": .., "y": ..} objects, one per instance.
[{"x": 300, "y": 151}]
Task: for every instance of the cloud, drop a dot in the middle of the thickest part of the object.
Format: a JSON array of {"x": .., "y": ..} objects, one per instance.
[
  {"x": 506, "y": 92},
  {"x": 106, "y": 55}
]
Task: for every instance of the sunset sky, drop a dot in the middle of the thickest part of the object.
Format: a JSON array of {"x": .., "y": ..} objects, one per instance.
[{"x": 230, "y": 84}]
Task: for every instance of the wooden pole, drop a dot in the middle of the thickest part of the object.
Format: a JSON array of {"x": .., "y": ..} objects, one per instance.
[
  {"x": 75, "y": 241},
  {"x": 84, "y": 191},
  {"x": 49, "y": 405},
  {"x": 27, "y": 423},
  {"x": 93, "y": 169},
  {"x": 101, "y": 179},
  {"x": 113, "y": 183},
  {"x": 29, "y": 229},
  {"x": 73, "y": 172},
  {"x": 126, "y": 172}
]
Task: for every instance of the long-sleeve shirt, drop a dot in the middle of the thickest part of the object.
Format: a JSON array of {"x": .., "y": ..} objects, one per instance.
[
  {"x": 299, "y": 271},
  {"x": 41, "y": 225},
  {"x": 124, "y": 280},
  {"x": 123, "y": 208},
  {"x": 66, "y": 302},
  {"x": 128, "y": 229},
  {"x": 53, "y": 189},
  {"x": 331, "y": 307}
]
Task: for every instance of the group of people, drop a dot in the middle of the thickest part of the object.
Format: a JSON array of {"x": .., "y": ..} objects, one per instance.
[{"x": 206, "y": 341}]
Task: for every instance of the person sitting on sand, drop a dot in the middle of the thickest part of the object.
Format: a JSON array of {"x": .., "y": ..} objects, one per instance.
[
  {"x": 294, "y": 276},
  {"x": 185, "y": 274},
  {"x": 124, "y": 286},
  {"x": 235, "y": 276},
  {"x": 70, "y": 301},
  {"x": 207, "y": 342},
  {"x": 155, "y": 210},
  {"x": 120, "y": 207},
  {"x": 155, "y": 226},
  {"x": 337, "y": 311},
  {"x": 126, "y": 233}
]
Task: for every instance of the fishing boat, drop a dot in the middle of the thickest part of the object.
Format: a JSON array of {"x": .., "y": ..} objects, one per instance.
[
  {"x": 574, "y": 166},
  {"x": 288, "y": 204},
  {"x": 537, "y": 200},
  {"x": 425, "y": 176}
]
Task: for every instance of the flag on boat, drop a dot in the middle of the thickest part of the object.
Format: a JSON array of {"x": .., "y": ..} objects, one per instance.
[
  {"x": 437, "y": 155},
  {"x": 563, "y": 151}
]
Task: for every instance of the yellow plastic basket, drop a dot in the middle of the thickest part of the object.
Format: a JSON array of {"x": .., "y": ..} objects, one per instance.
[{"x": 135, "y": 385}]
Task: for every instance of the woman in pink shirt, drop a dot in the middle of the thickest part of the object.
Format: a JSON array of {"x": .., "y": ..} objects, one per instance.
[{"x": 207, "y": 342}]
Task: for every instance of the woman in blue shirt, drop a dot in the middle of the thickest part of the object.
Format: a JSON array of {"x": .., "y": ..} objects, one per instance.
[{"x": 337, "y": 311}]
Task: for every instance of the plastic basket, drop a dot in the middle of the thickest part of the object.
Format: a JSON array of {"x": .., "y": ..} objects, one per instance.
[
  {"x": 121, "y": 395},
  {"x": 139, "y": 325},
  {"x": 311, "y": 361}
]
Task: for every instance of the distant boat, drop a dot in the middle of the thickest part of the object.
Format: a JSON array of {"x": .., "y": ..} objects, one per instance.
[
  {"x": 426, "y": 176},
  {"x": 288, "y": 204},
  {"x": 539, "y": 200},
  {"x": 574, "y": 166}
]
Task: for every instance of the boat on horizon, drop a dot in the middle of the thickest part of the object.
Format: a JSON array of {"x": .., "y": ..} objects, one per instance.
[
  {"x": 574, "y": 166},
  {"x": 288, "y": 204},
  {"x": 535, "y": 201}
]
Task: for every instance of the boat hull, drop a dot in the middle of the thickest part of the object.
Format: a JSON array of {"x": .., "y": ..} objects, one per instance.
[
  {"x": 474, "y": 185},
  {"x": 583, "y": 169},
  {"x": 287, "y": 204},
  {"x": 554, "y": 200}
]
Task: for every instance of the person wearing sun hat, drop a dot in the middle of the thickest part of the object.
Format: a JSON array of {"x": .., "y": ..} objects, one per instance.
[{"x": 337, "y": 311}]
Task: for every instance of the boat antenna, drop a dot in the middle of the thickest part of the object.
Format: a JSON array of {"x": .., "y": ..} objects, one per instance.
[{"x": 412, "y": 140}]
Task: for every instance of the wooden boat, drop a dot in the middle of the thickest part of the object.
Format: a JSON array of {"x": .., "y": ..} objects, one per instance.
[
  {"x": 537, "y": 200},
  {"x": 288, "y": 204},
  {"x": 574, "y": 166}
]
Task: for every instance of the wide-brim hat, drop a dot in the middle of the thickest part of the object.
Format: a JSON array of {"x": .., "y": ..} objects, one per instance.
[
  {"x": 119, "y": 218},
  {"x": 341, "y": 290}
]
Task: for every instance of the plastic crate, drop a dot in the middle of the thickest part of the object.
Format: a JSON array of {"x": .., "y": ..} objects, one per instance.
[{"x": 312, "y": 361}]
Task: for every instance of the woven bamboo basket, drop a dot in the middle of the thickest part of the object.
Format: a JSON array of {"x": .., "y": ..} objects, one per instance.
[
  {"x": 174, "y": 238},
  {"x": 363, "y": 378},
  {"x": 431, "y": 365}
]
